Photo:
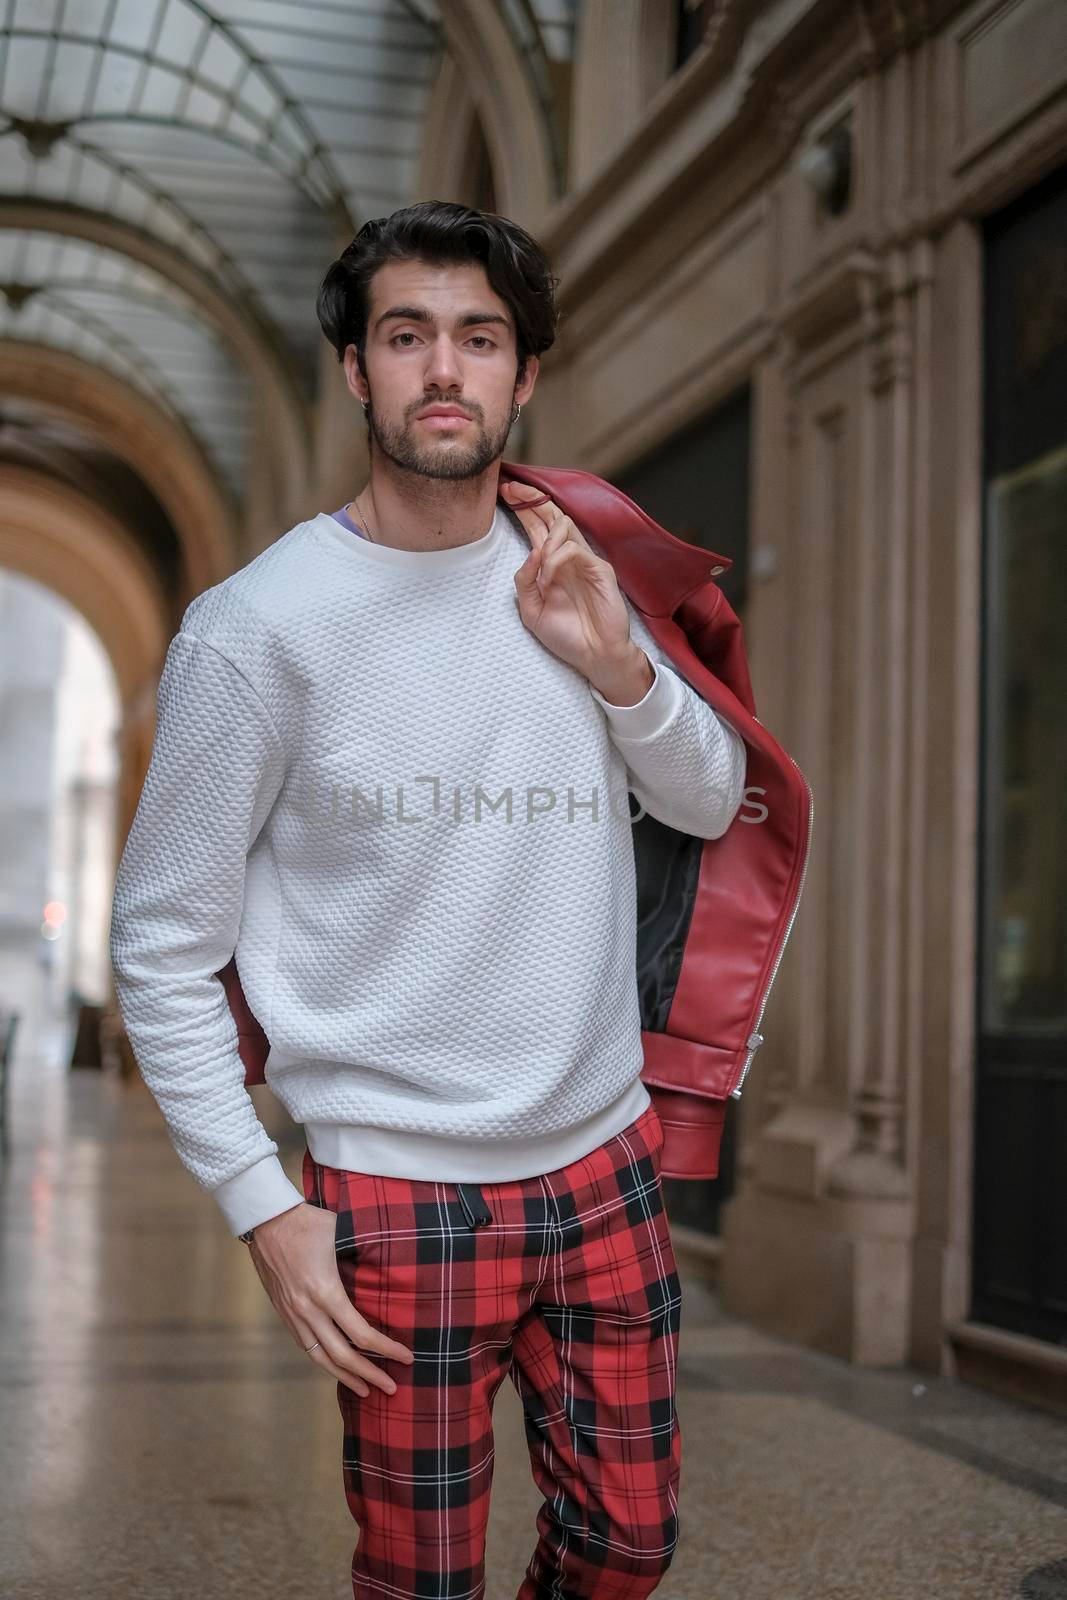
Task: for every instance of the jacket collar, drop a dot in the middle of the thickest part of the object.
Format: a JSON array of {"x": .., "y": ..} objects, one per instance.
[{"x": 657, "y": 570}]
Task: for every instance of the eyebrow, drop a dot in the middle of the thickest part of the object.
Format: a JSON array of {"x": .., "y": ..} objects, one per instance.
[{"x": 470, "y": 319}]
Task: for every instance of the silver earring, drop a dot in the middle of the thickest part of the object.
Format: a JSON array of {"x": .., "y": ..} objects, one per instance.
[
  {"x": 515, "y": 418},
  {"x": 366, "y": 406}
]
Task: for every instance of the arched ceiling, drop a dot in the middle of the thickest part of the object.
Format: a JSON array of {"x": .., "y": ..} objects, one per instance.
[
  {"x": 99, "y": 304},
  {"x": 33, "y": 437},
  {"x": 244, "y": 138},
  {"x": 247, "y": 133}
]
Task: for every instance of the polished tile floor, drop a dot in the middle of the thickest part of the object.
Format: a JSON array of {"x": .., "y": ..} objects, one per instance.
[{"x": 161, "y": 1438}]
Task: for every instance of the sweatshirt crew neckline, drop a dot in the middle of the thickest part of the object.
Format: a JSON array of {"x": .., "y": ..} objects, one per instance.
[{"x": 472, "y": 554}]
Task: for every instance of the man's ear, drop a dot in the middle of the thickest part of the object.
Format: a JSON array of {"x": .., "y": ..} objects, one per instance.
[
  {"x": 525, "y": 389},
  {"x": 357, "y": 383}
]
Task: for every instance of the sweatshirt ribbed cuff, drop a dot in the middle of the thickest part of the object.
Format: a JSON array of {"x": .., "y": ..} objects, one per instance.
[
  {"x": 650, "y": 715},
  {"x": 255, "y": 1195}
]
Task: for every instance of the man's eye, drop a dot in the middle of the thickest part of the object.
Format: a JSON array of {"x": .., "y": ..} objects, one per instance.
[{"x": 479, "y": 338}]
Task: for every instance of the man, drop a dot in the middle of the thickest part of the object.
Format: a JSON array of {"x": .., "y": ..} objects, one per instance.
[{"x": 391, "y": 772}]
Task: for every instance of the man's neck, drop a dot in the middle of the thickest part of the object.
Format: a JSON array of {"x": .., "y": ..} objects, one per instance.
[{"x": 413, "y": 513}]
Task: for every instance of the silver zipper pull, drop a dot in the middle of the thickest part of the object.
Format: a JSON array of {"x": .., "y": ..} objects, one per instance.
[{"x": 754, "y": 1042}]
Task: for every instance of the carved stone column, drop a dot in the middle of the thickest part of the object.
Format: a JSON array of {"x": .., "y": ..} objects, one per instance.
[{"x": 817, "y": 1244}]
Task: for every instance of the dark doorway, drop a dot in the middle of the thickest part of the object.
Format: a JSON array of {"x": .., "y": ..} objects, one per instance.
[
  {"x": 697, "y": 486},
  {"x": 1020, "y": 1167}
]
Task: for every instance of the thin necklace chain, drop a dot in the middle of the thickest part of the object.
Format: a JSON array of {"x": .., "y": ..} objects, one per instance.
[
  {"x": 363, "y": 519},
  {"x": 366, "y": 524}
]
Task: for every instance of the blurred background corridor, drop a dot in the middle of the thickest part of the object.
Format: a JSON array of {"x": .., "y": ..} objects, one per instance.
[{"x": 813, "y": 264}]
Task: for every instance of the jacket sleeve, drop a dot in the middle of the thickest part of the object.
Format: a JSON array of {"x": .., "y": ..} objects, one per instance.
[
  {"x": 217, "y": 764},
  {"x": 685, "y": 764}
]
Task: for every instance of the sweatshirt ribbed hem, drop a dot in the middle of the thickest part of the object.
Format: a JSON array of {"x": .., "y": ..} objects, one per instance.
[{"x": 399, "y": 1153}]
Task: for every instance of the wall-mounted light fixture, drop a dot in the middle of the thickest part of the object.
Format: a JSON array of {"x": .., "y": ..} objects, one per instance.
[{"x": 826, "y": 166}]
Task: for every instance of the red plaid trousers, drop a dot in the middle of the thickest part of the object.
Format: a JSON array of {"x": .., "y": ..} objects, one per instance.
[{"x": 567, "y": 1283}]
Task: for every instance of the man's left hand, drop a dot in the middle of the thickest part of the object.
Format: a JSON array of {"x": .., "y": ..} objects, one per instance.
[{"x": 570, "y": 600}]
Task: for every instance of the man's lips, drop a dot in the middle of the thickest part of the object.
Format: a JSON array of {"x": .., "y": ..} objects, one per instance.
[{"x": 441, "y": 419}]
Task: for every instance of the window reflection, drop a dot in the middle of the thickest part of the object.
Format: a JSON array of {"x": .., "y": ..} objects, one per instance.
[{"x": 1025, "y": 861}]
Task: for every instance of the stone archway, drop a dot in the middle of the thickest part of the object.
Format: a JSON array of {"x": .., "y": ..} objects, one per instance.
[
  {"x": 64, "y": 539},
  {"x": 155, "y": 445},
  {"x": 482, "y": 72},
  {"x": 285, "y": 416},
  {"x": 450, "y": 121}
]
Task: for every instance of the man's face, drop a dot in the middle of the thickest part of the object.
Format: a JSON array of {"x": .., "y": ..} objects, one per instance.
[{"x": 438, "y": 336}]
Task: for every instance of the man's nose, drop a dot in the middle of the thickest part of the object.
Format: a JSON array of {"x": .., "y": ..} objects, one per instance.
[{"x": 442, "y": 367}]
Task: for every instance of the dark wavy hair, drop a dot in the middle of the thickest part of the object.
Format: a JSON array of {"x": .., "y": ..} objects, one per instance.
[{"x": 442, "y": 232}]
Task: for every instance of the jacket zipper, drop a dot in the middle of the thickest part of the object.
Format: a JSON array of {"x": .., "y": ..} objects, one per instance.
[{"x": 755, "y": 1039}]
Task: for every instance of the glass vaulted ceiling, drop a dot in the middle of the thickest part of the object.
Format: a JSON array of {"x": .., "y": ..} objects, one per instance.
[
  {"x": 250, "y": 135},
  {"x": 117, "y": 314}
]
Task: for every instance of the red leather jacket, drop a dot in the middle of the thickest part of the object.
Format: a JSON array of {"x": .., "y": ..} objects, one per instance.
[{"x": 713, "y": 915}]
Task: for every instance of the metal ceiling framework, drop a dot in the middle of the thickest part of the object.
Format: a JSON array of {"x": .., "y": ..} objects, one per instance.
[
  {"x": 247, "y": 136},
  {"x": 99, "y": 304}
]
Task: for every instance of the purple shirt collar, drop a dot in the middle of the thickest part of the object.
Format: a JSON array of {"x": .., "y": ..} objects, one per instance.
[{"x": 346, "y": 522}]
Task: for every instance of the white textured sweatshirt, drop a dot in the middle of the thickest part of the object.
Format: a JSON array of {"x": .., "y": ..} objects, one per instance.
[{"x": 410, "y": 821}]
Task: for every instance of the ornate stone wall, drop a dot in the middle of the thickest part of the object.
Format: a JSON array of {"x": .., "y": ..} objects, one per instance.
[{"x": 696, "y": 254}]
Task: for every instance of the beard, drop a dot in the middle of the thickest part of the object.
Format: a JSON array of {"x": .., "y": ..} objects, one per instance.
[{"x": 439, "y": 457}]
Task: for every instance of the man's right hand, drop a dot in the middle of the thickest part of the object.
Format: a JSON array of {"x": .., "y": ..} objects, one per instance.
[{"x": 296, "y": 1259}]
